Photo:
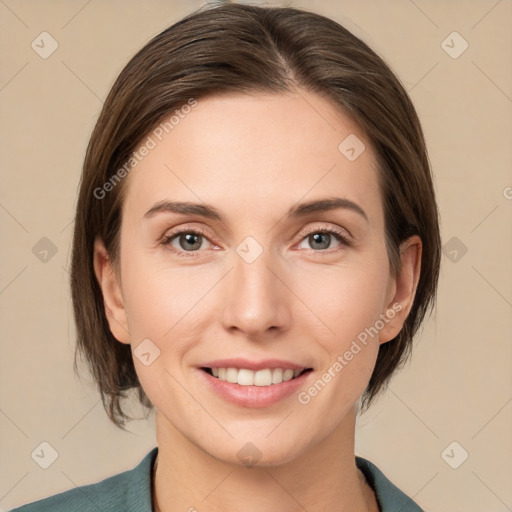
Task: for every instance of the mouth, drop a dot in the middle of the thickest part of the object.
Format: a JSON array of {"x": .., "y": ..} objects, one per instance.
[
  {"x": 252, "y": 383},
  {"x": 264, "y": 377}
]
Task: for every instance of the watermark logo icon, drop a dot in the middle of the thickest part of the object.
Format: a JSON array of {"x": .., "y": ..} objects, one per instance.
[
  {"x": 351, "y": 147},
  {"x": 454, "y": 249},
  {"x": 44, "y": 250},
  {"x": 44, "y": 45},
  {"x": 454, "y": 455},
  {"x": 44, "y": 455},
  {"x": 249, "y": 455},
  {"x": 454, "y": 45},
  {"x": 146, "y": 352},
  {"x": 249, "y": 249}
]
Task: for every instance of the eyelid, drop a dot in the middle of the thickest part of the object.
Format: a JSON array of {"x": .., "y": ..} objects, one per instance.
[
  {"x": 343, "y": 233},
  {"x": 173, "y": 233},
  {"x": 345, "y": 237}
]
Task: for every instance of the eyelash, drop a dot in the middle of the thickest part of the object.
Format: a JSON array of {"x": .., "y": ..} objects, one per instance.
[{"x": 338, "y": 234}]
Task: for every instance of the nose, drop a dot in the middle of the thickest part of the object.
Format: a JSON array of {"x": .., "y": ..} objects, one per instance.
[{"x": 257, "y": 301}]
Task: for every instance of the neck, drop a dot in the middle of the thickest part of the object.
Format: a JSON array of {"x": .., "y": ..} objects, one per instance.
[{"x": 324, "y": 478}]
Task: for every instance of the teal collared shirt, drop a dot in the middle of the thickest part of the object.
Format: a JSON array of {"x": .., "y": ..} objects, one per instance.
[{"x": 130, "y": 491}]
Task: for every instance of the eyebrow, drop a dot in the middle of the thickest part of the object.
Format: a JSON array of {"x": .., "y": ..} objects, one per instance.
[{"x": 301, "y": 210}]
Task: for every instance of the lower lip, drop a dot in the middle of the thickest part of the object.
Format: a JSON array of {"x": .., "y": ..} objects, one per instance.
[{"x": 254, "y": 396}]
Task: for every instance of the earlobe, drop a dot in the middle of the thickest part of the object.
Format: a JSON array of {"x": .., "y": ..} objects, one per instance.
[
  {"x": 404, "y": 289},
  {"x": 111, "y": 290}
]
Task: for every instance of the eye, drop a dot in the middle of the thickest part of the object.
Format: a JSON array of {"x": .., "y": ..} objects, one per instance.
[
  {"x": 185, "y": 241},
  {"x": 320, "y": 239},
  {"x": 188, "y": 242}
]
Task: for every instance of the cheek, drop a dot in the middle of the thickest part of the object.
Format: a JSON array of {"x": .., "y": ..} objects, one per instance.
[
  {"x": 170, "y": 307},
  {"x": 159, "y": 299},
  {"x": 347, "y": 303},
  {"x": 344, "y": 300},
  {"x": 162, "y": 307},
  {"x": 349, "y": 352}
]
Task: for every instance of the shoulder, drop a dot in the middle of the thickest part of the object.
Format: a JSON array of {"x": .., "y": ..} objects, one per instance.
[
  {"x": 130, "y": 490},
  {"x": 389, "y": 496}
]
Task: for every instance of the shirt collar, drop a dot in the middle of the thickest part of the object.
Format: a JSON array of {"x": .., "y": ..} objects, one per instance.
[{"x": 389, "y": 497}]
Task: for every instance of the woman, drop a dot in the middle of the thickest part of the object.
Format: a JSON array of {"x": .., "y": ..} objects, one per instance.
[{"x": 256, "y": 243}]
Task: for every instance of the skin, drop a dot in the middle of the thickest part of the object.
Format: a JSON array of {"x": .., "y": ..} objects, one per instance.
[{"x": 253, "y": 157}]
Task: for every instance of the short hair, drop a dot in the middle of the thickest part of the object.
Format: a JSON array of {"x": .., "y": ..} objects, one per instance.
[{"x": 234, "y": 48}]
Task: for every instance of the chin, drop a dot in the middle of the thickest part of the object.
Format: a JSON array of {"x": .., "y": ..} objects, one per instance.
[
  {"x": 258, "y": 451},
  {"x": 251, "y": 455}
]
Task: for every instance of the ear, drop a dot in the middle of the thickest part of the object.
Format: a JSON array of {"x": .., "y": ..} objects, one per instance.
[
  {"x": 112, "y": 296},
  {"x": 402, "y": 289}
]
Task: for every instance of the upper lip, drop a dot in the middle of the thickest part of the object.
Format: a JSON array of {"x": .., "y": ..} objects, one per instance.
[{"x": 253, "y": 365}]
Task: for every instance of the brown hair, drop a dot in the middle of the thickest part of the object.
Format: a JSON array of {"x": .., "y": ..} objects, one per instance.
[{"x": 242, "y": 48}]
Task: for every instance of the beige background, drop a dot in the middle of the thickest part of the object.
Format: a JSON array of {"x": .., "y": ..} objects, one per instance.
[{"x": 458, "y": 386}]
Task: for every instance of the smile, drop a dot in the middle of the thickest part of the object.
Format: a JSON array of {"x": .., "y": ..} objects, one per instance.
[{"x": 263, "y": 377}]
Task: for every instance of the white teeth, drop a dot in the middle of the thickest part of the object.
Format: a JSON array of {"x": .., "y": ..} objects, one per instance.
[
  {"x": 277, "y": 376},
  {"x": 288, "y": 375},
  {"x": 245, "y": 377},
  {"x": 263, "y": 377},
  {"x": 232, "y": 375}
]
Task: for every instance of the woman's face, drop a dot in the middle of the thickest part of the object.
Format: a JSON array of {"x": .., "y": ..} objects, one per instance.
[{"x": 253, "y": 278}]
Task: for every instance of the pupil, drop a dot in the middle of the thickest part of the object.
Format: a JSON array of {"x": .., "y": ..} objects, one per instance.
[
  {"x": 189, "y": 239},
  {"x": 317, "y": 239}
]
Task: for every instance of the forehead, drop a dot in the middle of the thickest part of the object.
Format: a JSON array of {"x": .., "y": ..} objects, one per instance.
[{"x": 266, "y": 150}]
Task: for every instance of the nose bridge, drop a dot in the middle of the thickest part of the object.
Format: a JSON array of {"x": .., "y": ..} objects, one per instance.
[{"x": 256, "y": 300}]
